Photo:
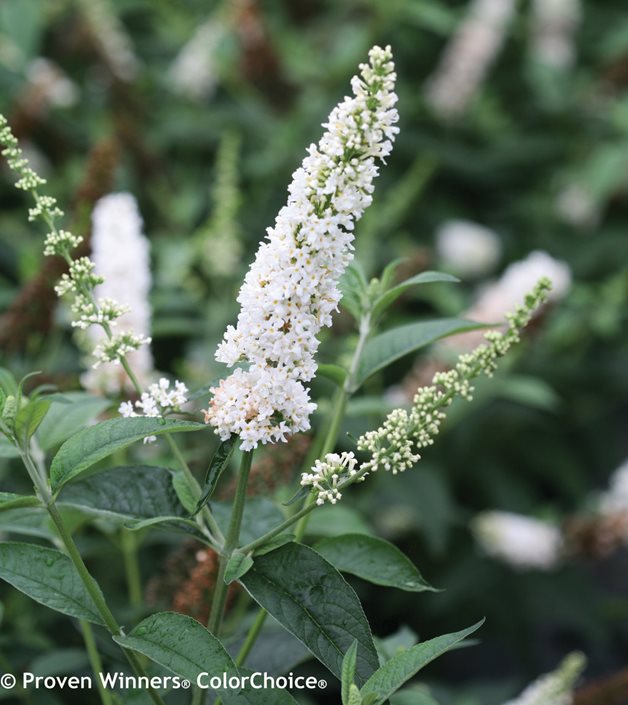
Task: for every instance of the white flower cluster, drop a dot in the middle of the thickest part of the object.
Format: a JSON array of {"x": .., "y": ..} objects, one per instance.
[
  {"x": 467, "y": 249},
  {"x": 292, "y": 289},
  {"x": 112, "y": 38},
  {"x": 554, "y": 23},
  {"x": 518, "y": 540},
  {"x": 194, "y": 71},
  {"x": 469, "y": 56},
  {"x": 615, "y": 500},
  {"x": 327, "y": 473},
  {"x": 121, "y": 258},
  {"x": 158, "y": 401},
  {"x": 554, "y": 688}
]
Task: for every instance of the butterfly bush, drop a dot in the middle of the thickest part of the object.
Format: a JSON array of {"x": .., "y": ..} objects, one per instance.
[
  {"x": 519, "y": 540},
  {"x": 468, "y": 249},
  {"x": 291, "y": 289},
  {"x": 554, "y": 24},
  {"x": 117, "y": 227}
]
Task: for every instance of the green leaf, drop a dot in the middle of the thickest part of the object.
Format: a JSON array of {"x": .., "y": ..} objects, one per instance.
[
  {"x": 394, "y": 673},
  {"x": 217, "y": 465},
  {"x": 390, "y": 296},
  {"x": 372, "y": 559},
  {"x": 348, "y": 672},
  {"x": 185, "y": 647},
  {"x": 274, "y": 543},
  {"x": 335, "y": 373},
  {"x": 300, "y": 494},
  {"x": 387, "y": 347},
  {"x": 185, "y": 493},
  {"x": 260, "y": 516},
  {"x": 310, "y": 598},
  {"x": 48, "y": 577},
  {"x": 8, "y": 500},
  {"x": 28, "y": 419},
  {"x": 331, "y": 520},
  {"x": 237, "y": 566},
  {"x": 92, "y": 444},
  {"x": 138, "y": 492},
  {"x": 353, "y": 696},
  {"x": 354, "y": 287},
  {"x": 68, "y": 414},
  {"x": 180, "y": 644}
]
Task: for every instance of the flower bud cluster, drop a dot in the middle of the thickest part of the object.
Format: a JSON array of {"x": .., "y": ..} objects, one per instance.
[
  {"x": 292, "y": 289},
  {"x": 393, "y": 446},
  {"x": 327, "y": 473}
]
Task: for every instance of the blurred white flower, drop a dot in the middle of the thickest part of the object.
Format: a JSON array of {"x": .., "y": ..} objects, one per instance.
[
  {"x": 467, "y": 249},
  {"x": 468, "y": 56},
  {"x": 576, "y": 206},
  {"x": 120, "y": 253},
  {"x": 554, "y": 23},
  {"x": 554, "y": 688},
  {"x": 518, "y": 540},
  {"x": 292, "y": 289},
  {"x": 194, "y": 71},
  {"x": 497, "y": 298}
]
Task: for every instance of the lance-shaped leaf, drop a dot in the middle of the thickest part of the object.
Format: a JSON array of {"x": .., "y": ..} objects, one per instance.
[
  {"x": 310, "y": 598},
  {"x": 348, "y": 672},
  {"x": 372, "y": 559},
  {"x": 185, "y": 647},
  {"x": 28, "y": 419},
  {"x": 48, "y": 577},
  {"x": 387, "y": 347},
  {"x": 92, "y": 444},
  {"x": 138, "y": 492},
  {"x": 394, "y": 673},
  {"x": 390, "y": 296}
]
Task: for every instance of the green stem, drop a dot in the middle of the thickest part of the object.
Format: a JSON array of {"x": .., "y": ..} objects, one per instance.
[
  {"x": 95, "y": 661},
  {"x": 128, "y": 544},
  {"x": 254, "y": 631},
  {"x": 231, "y": 542}
]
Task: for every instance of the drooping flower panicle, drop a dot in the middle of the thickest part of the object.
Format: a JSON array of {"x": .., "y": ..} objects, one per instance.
[
  {"x": 81, "y": 279},
  {"x": 395, "y": 445},
  {"x": 291, "y": 289}
]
